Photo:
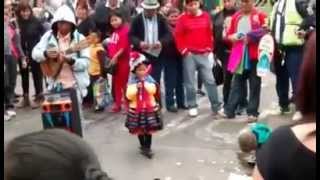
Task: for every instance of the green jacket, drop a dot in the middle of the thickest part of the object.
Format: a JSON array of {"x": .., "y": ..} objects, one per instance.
[
  {"x": 285, "y": 21},
  {"x": 211, "y": 4}
]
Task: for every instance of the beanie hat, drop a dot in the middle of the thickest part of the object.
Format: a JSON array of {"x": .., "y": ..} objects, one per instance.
[{"x": 136, "y": 58}]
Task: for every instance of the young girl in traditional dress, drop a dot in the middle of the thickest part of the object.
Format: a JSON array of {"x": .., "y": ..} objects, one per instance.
[{"x": 143, "y": 116}]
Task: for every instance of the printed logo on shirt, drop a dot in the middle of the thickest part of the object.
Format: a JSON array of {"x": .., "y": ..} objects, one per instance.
[
  {"x": 114, "y": 38},
  {"x": 255, "y": 19}
]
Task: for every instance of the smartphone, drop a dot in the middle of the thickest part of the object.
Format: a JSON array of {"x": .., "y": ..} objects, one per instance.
[{"x": 240, "y": 35}]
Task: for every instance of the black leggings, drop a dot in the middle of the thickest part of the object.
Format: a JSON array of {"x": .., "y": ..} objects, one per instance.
[
  {"x": 36, "y": 75},
  {"x": 145, "y": 140}
]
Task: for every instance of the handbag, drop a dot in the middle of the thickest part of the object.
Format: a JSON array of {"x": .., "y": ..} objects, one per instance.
[
  {"x": 109, "y": 67},
  {"x": 101, "y": 93},
  {"x": 217, "y": 71}
]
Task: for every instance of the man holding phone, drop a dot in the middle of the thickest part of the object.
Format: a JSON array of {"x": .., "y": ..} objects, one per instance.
[{"x": 149, "y": 33}]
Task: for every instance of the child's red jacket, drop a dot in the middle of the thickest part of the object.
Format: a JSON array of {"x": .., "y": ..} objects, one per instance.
[{"x": 257, "y": 20}]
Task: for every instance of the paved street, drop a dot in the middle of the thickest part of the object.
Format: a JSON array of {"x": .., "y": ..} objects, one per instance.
[{"x": 201, "y": 148}]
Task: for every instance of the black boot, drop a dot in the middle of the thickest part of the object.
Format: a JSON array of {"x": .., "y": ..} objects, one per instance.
[{"x": 147, "y": 152}]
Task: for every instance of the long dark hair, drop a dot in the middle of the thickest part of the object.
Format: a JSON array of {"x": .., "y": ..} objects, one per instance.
[
  {"x": 22, "y": 7},
  {"x": 116, "y": 13},
  {"x": 306, "y": 92},
  {"x": 53, "y": 154}
]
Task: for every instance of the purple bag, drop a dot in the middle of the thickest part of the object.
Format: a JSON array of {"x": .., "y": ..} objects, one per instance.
[{"x": 257, "y": 34}]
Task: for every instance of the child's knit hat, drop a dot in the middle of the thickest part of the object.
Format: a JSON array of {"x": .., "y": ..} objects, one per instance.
[{"x": 136, "y": 58}]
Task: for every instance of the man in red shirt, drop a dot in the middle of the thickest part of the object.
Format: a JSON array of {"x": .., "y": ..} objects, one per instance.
[{"x": 194, "y": 39}]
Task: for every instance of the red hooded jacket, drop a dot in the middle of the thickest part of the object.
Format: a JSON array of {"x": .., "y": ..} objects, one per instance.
[{"x": 257, "y": 19}]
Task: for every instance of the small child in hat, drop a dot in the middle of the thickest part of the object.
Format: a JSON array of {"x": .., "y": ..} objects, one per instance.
[{"x": 142, "y": 93}]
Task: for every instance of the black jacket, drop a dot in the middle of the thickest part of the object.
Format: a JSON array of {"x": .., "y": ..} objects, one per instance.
[
  {"x": 30, "y": 31},
  {"x": 137, "y": 33},
  {"x": 170, "y": 50},
  {"x": 218, "y": 19},
  {"x": 86, "y": 26}
]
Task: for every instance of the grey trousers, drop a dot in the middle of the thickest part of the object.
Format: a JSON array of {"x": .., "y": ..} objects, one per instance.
[{"x": 202, "y": 64}]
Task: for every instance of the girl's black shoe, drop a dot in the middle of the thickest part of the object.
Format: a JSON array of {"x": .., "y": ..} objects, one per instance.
[{"x": 146, "y": 152}]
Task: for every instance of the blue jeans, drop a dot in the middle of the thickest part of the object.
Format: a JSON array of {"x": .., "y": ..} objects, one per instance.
[
  {"x": 293, "y": 61},
  {"x": 237, "y": 88},
  {"x": 200, "y": 63},
  {"x": 173, "y": 81},
  {"x": 289, "y": 70}
]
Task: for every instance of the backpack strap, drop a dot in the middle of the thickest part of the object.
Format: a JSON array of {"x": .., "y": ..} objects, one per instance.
[{"x": 78, "y": 40}]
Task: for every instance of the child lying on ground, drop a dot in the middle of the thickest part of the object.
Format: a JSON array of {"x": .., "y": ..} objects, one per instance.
[{"x": 251, "y": 138}]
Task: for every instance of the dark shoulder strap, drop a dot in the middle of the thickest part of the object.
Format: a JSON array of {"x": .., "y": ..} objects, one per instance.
[{"x": 78, "y": 40}]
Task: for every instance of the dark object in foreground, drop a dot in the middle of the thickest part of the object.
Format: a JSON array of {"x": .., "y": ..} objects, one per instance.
[
  {"x": 61, "y": 110},
  {"x": 51, "y": 154}
]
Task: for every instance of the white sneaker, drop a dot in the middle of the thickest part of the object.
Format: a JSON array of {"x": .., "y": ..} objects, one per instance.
[
  {"x": 193, "y": 112},
  {"x": 11, "y": 113},
  {"x": 6, "y": 117},
  {"x": 221, "y": 113},
  {"x": 297, "y": 116}
]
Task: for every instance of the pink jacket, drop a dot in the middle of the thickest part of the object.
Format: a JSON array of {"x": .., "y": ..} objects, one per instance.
[
  {"x": 14, "y": 49},
  {"x": 235, "y": 56},
  {"x": 120, "y": 39}
]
